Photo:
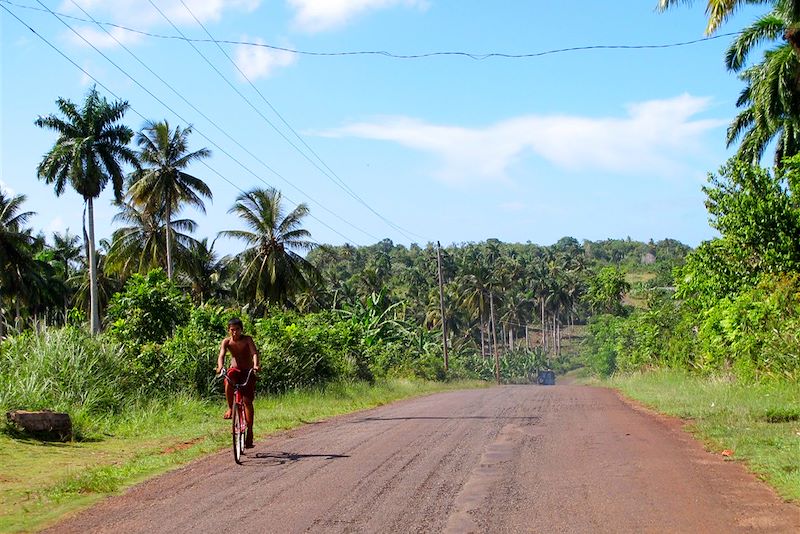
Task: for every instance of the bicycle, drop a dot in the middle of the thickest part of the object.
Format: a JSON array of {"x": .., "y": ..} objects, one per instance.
[{"x": 239, "y": 423}]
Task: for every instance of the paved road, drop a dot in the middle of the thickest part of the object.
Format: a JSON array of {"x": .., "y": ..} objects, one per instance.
[{"x": 505, "y": 459}]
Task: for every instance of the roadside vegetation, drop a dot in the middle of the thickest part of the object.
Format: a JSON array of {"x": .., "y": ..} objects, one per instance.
[
  {"x": 756, "y": 423},
  {"x": 121, "y": 332}
]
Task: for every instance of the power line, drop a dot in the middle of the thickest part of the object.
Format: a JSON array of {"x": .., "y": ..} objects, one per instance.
[
  {"x": 332, "y": 176},
  {"x": 107, "y": 89},
  {"x": 258, "y": 111},
  {"x": 392, "y": 55},
  {"x": 197, "y": 110}
]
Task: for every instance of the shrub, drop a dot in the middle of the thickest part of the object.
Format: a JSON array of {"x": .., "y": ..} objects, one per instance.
[{"x": 148, "y": 310}]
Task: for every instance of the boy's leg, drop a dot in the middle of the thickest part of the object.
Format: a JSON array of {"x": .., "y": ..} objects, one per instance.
[
  {"x": 229, "y": 398},
  {"x": 248, "y": 417}
]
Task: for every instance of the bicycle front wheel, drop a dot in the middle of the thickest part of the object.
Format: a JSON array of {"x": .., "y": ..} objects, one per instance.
[{"x": 238, "y": 434}]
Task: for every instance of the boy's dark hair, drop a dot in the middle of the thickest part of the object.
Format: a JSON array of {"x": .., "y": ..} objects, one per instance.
[{"x": 235, "y": 322}]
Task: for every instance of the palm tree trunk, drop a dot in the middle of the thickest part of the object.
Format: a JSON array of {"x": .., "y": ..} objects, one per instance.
[
  {"x": 544, "y": 329},
  {"x": 94, "y": 312},
  {"x": 527, "y": 338},
  {"x": 483, "y": 342},
  {"x": 169, "y": 244},
  {"x": 494, "y": 339}
]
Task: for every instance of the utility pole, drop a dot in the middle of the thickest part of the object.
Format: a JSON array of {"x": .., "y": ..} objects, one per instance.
[
  {"x": 494, "y": 339},
  {"x": 441, "y": 303}
]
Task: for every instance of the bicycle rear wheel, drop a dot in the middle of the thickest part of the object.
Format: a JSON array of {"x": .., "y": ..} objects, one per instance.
[{"x": 238, "y": 434}]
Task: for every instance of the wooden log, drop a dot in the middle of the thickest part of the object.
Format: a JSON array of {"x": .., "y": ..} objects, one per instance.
[{"x": 43, "y": 423}]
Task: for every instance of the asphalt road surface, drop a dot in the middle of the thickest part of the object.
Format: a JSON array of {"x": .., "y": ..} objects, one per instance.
[{"x": 505, "y": 459}]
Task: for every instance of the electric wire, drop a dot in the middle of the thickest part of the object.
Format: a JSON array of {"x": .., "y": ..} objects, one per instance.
[
  {"x": 111, "y": 92},
  {"x": 331, "y": 174},
  {"x": 221, "y": 130},
  {"x": 243, "y": 97},
  {"x": 384, "y": 53}
]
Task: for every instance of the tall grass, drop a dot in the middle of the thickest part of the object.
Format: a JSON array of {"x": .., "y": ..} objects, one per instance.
[{"x": 63, "y": 369}]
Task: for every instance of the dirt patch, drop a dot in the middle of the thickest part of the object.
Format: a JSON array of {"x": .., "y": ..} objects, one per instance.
[{"x": 182, "y": 446}]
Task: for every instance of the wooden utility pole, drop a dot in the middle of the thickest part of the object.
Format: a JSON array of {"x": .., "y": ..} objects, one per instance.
[
  {"x": 441, "y": 303},
  {"x": 494, "y": 339}
]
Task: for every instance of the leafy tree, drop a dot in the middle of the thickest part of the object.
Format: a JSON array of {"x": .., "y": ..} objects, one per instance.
[
  {"x": 272, "y": 271},
  {"x": 606, "y": 290},
  {"x": 90, "y": 150},
  {"x": 148, "y": 310},
  {"x": 161, "y": 186},
  {"x": 759, "y": 222}
]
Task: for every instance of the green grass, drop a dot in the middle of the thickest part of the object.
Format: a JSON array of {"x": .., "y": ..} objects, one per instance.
[
  {"x": 42, "y": 481},
  {"x": 759, "y": 422}
]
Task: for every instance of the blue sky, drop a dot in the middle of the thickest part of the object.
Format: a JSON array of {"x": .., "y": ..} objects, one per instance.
[{"x": 594, "y": 144}]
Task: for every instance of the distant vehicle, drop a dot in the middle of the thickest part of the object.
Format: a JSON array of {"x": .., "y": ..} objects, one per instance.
[{"x": 546, "y": 378}]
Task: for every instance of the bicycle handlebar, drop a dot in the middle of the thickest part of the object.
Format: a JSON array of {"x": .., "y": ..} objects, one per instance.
[{"x": 224, "y": 373}]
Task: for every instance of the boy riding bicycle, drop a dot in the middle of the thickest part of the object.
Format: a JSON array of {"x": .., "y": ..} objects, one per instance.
[{"x": 244, "y": 357}]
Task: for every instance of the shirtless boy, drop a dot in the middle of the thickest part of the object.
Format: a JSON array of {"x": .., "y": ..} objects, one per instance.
[{"x": 244, "y": 357}]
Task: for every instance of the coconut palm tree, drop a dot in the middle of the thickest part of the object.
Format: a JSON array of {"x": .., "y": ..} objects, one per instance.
[
  {"x": 161, "y": 185},
  {"x": 720, "y": 10},
  {"x": 89, "y": 152},
  {"x": 272, "y": 271},
  {"x": 66, "y": 252},
  {"x": 107, "y": 283},
  {"x": 770, "y": 102},
  {"x": 205, "y": 273},
  {"x": 137, "y": 247},
  {"x": 15, "y": 255}
]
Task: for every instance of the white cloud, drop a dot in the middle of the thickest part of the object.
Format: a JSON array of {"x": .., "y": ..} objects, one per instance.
[
  {"x": 259, "y": 62},
  {"x": 653, "y": 139},
  {"x": 319, "y": 15},
  {"x": 142, "y": 16}
]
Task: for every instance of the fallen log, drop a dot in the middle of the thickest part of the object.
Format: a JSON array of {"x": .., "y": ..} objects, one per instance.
[{"x": 44, "y": 423}]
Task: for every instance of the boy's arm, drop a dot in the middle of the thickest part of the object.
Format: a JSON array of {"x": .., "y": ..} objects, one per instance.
[
  {"x": 221, "y": 358},
  {"x": 254, "y": 352}
]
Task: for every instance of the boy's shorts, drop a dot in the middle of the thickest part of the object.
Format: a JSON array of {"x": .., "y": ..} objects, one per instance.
[{"x": 238, "y": 376}]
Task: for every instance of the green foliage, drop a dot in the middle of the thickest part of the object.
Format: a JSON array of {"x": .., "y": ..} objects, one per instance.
[
  {"x": 62, "y": 369},
  {"x": 148, "y": 310},
  {"x": 606, "y": 290},
  {"x": 516, "y": 367},
  {"x": 756, "y": 333},
  {"x": 756, "y": 215},
  {"x": 298, "y": 351}
]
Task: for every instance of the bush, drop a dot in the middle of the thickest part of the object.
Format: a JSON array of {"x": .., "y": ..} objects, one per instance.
[{"x": 148, "y": 310}]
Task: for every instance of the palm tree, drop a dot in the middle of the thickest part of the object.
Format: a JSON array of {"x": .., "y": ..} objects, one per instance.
[
  {"x": 15, "y": 256},
  {"x": 271, "y": 270},
  {"x": 720, "y": 10},
  {"x": 161, "y": 185},
  {"x": 90, "y": 150},
  {"x": 107, "y": 283},
  {"x": 66, "y": 252},
  {"x": 205, "y": 273},
  {"x": 136, "y": 248}
]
